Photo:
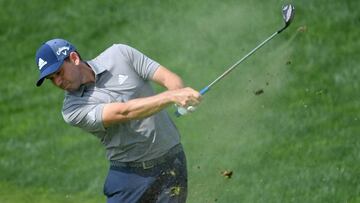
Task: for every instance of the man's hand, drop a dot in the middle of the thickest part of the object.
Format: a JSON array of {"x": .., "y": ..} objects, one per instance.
[
  {"x": 185, "y": 97},
  {"x": 171, "y": 81}
]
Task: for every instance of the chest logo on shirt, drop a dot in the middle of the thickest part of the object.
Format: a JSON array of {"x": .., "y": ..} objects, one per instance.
[{"x": 122, "y": 78}]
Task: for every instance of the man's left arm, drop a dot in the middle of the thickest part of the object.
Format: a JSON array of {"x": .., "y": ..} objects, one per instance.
[{"x": 167, "y": 79}]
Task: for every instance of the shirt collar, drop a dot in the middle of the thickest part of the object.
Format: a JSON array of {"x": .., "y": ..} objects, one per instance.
[{"x": 96, "y": 68}]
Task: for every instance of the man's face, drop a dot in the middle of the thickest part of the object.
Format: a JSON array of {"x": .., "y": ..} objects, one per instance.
[{"x": 68, "y": 77}]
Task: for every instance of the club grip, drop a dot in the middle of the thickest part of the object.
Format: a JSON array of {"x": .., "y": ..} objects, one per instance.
[{"x": 204, "y": 90}]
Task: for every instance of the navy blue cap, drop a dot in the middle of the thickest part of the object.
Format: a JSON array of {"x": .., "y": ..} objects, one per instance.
[{"x": 50, "y": 56}]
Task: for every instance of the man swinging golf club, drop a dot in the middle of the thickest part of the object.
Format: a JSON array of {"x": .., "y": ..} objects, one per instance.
[{"x": 111, "y": 97}]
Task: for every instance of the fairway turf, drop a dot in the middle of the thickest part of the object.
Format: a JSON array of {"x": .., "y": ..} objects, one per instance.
[{"x": 297, "y": 141}]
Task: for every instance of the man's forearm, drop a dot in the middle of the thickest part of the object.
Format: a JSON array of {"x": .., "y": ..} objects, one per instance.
[
  {"x": 167, "y": 79},
  {"x": 134, "y": 109},
  {"x": 144, "y": 107}
]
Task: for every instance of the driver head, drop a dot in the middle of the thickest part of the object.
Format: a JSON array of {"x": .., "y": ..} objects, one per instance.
[{"x": 288, "y": 12}]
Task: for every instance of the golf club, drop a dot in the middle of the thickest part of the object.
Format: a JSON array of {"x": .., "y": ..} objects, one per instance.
[{"x": 288, "y": 12}]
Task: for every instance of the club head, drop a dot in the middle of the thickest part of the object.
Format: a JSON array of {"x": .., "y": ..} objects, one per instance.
[{"x": 288, "y": 12}]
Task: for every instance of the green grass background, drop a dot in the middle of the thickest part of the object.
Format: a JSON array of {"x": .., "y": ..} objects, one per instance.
[{"x": 296, "y": 142}]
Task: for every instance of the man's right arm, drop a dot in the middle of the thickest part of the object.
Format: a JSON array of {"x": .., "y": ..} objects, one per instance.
[{"x": 144, "y": 107}]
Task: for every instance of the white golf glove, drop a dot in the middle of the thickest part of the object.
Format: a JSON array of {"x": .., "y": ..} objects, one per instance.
[{"x": 185, "y": 110}]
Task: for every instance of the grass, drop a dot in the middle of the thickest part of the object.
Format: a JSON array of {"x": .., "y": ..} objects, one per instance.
[{"x": 296, "y": 142}]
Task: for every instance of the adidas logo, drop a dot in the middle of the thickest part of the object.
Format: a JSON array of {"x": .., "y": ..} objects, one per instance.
[
  {"x": 122, "y": 78},
  {"x": 41, "y": 63}
]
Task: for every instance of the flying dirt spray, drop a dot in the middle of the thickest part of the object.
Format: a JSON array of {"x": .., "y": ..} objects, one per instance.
[{"x": 288, "y": 12}]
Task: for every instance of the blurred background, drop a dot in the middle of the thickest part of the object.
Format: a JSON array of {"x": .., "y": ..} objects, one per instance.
[{"x": 285, "y": 122}]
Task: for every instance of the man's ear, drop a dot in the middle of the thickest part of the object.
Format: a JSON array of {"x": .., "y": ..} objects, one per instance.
[{"x": 74, "y": 57}]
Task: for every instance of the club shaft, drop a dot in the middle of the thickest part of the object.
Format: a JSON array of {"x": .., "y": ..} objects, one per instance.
[{"x": 204, "y": 90}]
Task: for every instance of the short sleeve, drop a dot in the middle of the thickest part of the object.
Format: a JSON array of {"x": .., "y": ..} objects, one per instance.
[
  {"x": 85, "y": 116},
  {"x": 142, "y": 64}
]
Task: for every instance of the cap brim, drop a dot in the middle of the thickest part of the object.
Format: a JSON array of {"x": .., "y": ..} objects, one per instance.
[{"x": 48, "y": 71}]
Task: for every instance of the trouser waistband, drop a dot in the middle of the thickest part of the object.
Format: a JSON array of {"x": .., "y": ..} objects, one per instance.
[{"x": 149, "y": 163}]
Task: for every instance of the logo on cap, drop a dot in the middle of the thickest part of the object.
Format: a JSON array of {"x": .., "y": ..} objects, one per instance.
[
  {"x": 62, "y": 50},
  {"x": 41, "y": 63}
]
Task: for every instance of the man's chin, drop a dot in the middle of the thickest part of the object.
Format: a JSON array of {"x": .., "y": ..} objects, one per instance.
[{"x": 69, "y": 88}]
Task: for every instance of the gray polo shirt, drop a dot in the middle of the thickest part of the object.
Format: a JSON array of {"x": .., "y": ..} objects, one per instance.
[{"x": 122, "y": 73}]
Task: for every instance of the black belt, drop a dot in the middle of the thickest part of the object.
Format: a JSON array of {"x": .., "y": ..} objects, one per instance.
[{"x": 150, "y": 163}]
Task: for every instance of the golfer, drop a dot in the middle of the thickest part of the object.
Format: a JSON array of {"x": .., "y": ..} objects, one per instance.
[{"x": 111, "y": 97}]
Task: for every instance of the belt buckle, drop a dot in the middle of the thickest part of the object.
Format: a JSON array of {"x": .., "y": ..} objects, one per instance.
[{"x": 145, "y": 166}]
